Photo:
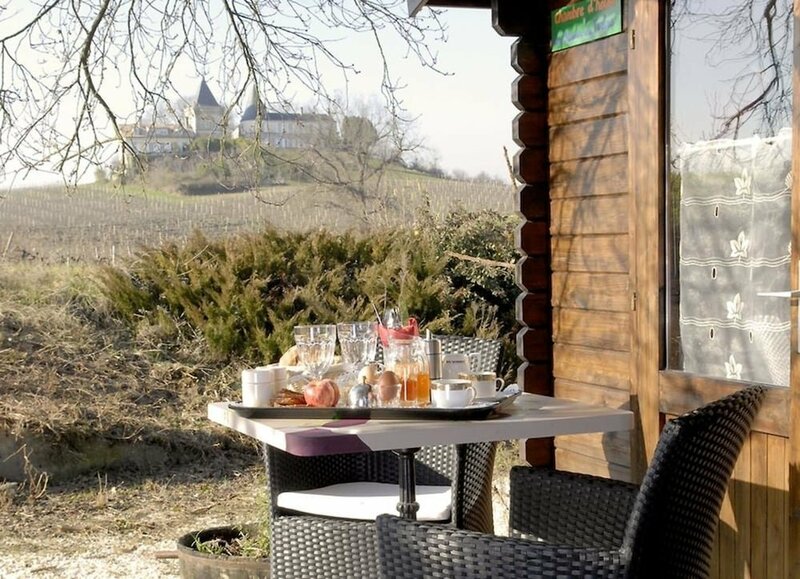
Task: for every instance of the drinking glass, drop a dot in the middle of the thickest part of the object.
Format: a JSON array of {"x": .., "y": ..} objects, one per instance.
[
  {"x": 358, "y": 341},
  {"x": 315, "y": 345}
]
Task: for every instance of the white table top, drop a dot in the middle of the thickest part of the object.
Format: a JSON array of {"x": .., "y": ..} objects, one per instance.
[{"x": 531, "y": 416}]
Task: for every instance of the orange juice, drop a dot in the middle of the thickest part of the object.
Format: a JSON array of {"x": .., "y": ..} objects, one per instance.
[
  {"x": 423, "y": 389},
  {"x": 409, "y": 363},
  {"x": 417, "y": 389}
]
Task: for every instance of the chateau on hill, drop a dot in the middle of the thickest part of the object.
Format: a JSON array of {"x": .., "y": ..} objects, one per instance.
[
  {"x": 282, "y": 130},
  {"x": 204, "y": 117}
]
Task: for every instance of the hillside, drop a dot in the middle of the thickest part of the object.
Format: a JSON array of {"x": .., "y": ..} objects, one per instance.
[
  {"x": 118, "y": 457},
  {"x": 105, "y": 222},
  {"x": 74, "y": 377}
]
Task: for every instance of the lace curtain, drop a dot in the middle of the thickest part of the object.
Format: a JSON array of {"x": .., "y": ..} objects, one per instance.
[{"x": 734, "y": 244}]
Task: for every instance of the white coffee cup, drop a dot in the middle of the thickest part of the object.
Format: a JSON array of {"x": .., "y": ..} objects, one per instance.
[
  {"x": 455, "y": 364},
  {"x": 452, "y": 393},
  {"x": 486, "y": 384},
  {"x": 273, "y": 373},
  {"x": 261, "y": 385}
]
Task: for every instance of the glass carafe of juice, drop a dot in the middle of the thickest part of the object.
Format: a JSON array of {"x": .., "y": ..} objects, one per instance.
[{"x": 408, "y": 360}]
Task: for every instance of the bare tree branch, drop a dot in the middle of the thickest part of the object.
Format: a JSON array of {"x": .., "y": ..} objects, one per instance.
[
  {"x": 72, "y": 71},
  {"x": 753, "y": 35}
]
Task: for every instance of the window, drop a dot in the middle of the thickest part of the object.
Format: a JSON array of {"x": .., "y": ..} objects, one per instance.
[{"x": 729, "y": 190}]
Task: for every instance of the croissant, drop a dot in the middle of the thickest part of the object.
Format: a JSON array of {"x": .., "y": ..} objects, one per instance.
[{"x": 288, "y": 397}]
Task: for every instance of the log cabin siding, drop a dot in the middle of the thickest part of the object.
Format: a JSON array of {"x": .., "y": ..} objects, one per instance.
[
  {"x": 590, "y": 254},
  {"x": 605, "y": 175},
  {"x": 592, "y": 329},
  {"x": 573, "y": 103},
  {"x": 590, "y": 215},
  {"x": 603, "y": 159},
  {"x": 593, "y": 366},
  {"x": 589, "y": 208},
  {"x": 578, "y": 290},
  {"x": 753, "y": 532},
  {"x": 531, "y": 166}
]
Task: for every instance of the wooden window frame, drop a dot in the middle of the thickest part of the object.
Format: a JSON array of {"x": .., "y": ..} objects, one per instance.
[{"x": 655, "y": 390}]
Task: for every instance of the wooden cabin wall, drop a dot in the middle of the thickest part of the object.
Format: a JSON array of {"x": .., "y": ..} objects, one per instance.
[
  {"x": 589, "y": 202},
  {"x": 752, "y": 537},
  {"x": 591, "y": 173},
  {"x": 592, "y": 308},
  {"x": 574, "y": 308}
]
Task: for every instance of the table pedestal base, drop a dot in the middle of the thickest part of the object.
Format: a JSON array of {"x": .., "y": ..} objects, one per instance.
[{"x": 408, "y": 505}]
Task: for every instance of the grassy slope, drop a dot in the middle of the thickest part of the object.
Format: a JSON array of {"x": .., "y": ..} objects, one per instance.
[{"x": 68, "y": 371}]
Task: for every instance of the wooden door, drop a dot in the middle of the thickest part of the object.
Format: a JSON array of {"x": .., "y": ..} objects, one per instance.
[{"x": 757, "y": 536}]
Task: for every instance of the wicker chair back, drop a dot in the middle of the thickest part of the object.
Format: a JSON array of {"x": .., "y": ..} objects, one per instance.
[
  {"x": 666, "y": 525},
  {"x": 671, "y": 529}
]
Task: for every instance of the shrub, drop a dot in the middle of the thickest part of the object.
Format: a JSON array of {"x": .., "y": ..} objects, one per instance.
[
  {"x": 244, "y": 294},
  {"x": 485, "y": 294}
]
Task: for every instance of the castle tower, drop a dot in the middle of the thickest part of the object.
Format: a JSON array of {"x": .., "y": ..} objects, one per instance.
[
  {"x": 249, "y": 123},
  {"x": 203, "y": 116}
]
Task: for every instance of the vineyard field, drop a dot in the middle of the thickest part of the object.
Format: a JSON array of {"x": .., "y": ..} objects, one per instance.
[{"x": 105, "y": 223}]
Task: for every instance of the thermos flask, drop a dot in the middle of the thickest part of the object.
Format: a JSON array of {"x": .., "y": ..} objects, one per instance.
[{"x": 433, "y": 349}]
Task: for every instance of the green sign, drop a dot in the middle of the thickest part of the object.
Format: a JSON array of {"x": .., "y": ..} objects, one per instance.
[{"x": 585, "y": 21}]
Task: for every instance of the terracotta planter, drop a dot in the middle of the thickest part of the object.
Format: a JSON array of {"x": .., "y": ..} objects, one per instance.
[{"x": 197, "y": 565}]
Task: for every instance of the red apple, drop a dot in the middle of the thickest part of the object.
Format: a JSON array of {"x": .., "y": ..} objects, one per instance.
[{"x": 321, "y": 393}]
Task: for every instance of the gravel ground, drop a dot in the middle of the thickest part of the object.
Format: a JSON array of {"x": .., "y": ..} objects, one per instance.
[
  {"x": 115, "y": 560},
  {"x": 114, "y": 525}
]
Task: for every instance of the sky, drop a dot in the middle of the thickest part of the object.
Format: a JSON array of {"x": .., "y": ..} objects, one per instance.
[
  {"x": 467, "y": 116},
  {"x": 464, "y": 116}
]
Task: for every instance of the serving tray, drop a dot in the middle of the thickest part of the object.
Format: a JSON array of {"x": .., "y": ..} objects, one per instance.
[{"x": 481, "y": 409}]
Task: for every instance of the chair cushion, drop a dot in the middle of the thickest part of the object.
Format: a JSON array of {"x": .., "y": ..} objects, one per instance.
[{"x": 366, "y": 500}]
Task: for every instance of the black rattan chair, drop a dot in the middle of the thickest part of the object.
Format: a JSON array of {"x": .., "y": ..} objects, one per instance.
[
  {"x": 305, "y": 546},
  {"x": 569, "y": 525}
]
